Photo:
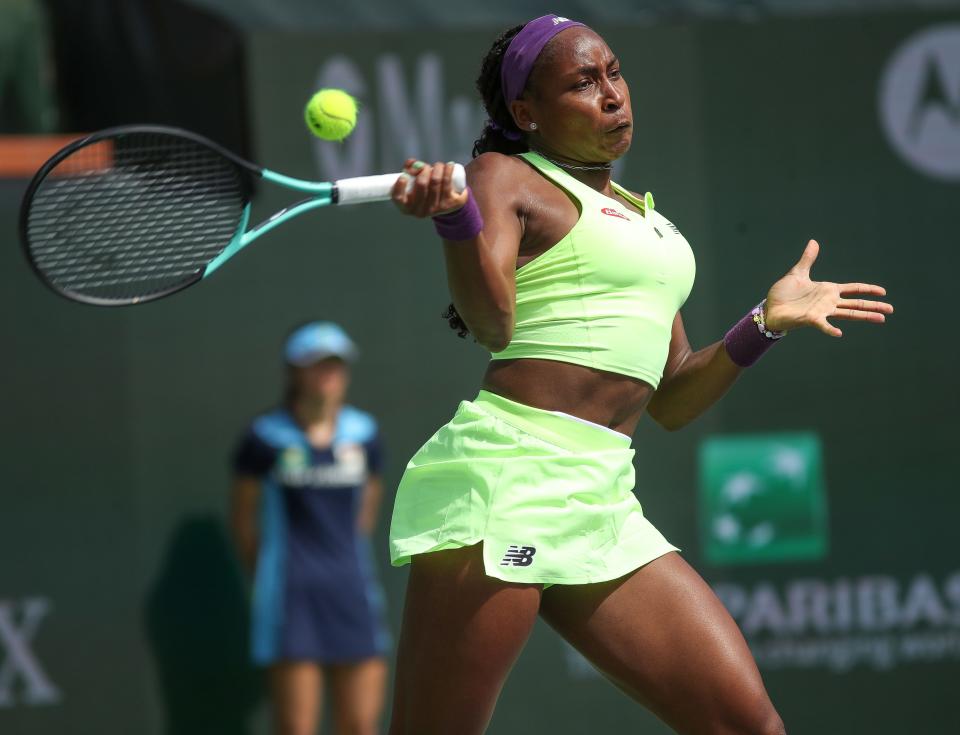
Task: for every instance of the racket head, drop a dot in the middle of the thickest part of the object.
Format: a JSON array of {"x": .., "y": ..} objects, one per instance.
[{"x": 134, "y": 213}]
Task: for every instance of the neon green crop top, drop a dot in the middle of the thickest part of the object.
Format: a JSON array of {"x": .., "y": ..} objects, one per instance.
[{"x": 606, "y": 295}]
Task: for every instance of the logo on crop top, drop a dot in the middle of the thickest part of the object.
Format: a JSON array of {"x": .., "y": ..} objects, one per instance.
[
  {"x": 610, "y": 211},
  {"x": 518, "y": 556},
  {"x": 672, "y": 226}
]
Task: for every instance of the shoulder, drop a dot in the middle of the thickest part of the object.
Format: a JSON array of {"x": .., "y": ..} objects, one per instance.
[
  {"x": 505, "y": 184},
  {"x": 496, "y": 170},
  {"x": 276, "y": 429},
  {"x": 354, "y": 425}
]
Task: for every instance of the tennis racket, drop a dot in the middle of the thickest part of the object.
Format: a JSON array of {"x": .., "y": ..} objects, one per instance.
[{"x": 135, "y": 213}]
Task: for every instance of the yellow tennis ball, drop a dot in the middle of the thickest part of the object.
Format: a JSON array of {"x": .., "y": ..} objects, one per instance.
[{"x": 331, "y": 114}]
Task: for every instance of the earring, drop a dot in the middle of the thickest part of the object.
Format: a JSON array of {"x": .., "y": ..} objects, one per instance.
[{"x": 533, "y": 126}]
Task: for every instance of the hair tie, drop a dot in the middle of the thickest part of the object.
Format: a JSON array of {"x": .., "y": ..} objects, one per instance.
[{"x": 508, "y": 134}]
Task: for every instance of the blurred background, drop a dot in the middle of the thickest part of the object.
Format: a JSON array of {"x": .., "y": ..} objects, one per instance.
[{"x": 819, "y": 498}]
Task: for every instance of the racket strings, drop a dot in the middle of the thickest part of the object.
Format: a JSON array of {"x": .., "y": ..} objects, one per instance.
[{"x": 123, "y": 219}]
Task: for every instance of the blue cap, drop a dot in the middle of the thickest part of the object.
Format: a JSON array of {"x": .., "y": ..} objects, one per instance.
[{"x": 318, "y": 340}]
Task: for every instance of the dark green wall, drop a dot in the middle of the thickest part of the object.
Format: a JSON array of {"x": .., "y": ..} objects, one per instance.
[{"x": 116, "y": 424}]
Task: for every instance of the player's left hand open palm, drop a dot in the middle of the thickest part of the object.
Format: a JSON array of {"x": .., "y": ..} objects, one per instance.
[{"x": 796, "y": 301}]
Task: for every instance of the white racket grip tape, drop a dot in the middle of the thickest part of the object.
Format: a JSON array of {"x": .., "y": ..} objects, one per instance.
[{"x": 377, "y": 188}]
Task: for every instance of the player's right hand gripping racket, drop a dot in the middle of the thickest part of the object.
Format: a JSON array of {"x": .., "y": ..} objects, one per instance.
[{"x": 136, "y": 213}]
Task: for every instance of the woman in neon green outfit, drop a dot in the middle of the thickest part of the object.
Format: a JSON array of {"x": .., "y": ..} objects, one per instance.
[{"x": 522, "y": 505}]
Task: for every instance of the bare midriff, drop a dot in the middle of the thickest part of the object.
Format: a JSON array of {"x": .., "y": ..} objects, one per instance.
[{"x": 604, "y": 398}]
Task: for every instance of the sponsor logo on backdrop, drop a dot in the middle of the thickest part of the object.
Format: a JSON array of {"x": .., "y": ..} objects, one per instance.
[
  {"x": 762, "y": 498},
  {"x": 23, "y": 680},
  {"x": 874, "y": 622},
  {"x": 401, "y": 116},
  {"x": 405, "y": 111},
  {"x": 919, "y": 101}
]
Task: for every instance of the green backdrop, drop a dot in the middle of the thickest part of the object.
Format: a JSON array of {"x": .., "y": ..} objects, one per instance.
[{"x": 121, "y": 609}]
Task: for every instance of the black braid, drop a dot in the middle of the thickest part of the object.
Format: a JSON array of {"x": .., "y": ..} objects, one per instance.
[{"x": 491, "y": 92}]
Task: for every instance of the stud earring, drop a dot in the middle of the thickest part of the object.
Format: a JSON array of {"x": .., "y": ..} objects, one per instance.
[{"x": 533, "y": 126}]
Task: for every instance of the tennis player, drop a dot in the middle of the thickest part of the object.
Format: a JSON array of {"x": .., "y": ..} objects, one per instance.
[
  {"x": 305, "y": 499},
  {"x": 523, "y": 504}
]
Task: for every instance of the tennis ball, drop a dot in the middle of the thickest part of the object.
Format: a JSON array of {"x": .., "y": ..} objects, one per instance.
[{"x": 331, "y": 114}]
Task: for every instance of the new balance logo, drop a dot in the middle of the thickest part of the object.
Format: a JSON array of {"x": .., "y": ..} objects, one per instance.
[{"x": 518, "y": 556}]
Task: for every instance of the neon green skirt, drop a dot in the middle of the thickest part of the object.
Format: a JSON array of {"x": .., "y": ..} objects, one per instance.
[{"x": 549, "y": 495}]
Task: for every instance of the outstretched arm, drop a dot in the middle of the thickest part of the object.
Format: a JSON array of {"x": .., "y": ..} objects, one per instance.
[
  {"x": 795, "y": 301},
  {"x": 694, "y": 381}
]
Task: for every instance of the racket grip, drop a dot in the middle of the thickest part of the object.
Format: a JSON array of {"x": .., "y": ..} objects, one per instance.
[{"x": 377, "y": 188}]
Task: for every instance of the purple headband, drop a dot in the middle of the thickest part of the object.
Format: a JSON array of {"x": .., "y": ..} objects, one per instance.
[
  {"x": 521, "y": 54},
  {"x": 523, "y": 51}
]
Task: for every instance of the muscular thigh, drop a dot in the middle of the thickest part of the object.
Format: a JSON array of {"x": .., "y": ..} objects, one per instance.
[
  {"x": 662, "y": 635},
  {"x": 462, "y": 632}
]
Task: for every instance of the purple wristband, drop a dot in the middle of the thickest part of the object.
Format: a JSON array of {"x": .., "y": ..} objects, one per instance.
[
  {"x": 749, "y": 338},
  {"x": 463, "y": 224}
]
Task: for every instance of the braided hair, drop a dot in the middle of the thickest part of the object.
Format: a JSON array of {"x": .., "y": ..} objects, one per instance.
[{"x": 492, "y": 137}]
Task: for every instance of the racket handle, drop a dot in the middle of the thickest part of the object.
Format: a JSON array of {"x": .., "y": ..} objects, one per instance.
[{"x": 377, "y": 188}]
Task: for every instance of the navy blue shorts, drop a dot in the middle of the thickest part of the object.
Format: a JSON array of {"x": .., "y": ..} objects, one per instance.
[{"x": 333, "y": 618}]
